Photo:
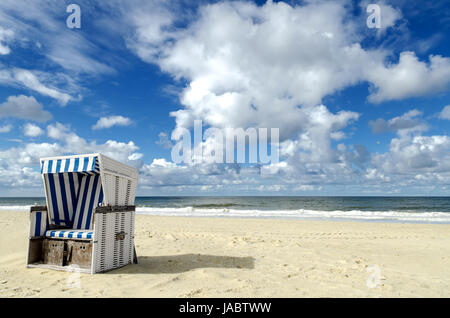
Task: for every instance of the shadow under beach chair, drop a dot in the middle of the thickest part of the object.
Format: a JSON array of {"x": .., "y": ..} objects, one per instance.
[{"x": 171, "y": 264}]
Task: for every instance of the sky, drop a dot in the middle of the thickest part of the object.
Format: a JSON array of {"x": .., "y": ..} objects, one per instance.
[{"x": 360, "y": 111}]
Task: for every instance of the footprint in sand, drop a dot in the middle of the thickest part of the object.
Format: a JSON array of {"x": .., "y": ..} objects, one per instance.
[{"x": 194, "y": 292}]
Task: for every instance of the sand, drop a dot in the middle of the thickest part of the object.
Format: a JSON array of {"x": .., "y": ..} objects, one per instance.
[{"x": 224, "y": 257}]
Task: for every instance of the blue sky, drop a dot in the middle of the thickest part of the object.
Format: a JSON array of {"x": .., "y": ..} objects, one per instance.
[{"x": 361, "y": 111}]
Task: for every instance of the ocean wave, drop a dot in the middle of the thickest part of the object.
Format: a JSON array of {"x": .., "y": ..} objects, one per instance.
[
  {"x": 399, "y": 216},
  {"x": 215, "y": 205},
  {"x": 15, "y": 207},
  {"x": 388, "y": 216}
]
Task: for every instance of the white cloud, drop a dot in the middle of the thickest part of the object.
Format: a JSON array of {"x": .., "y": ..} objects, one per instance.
[
  {"x": 5, "y": 36},
  {"x": 18, "y": 165},
  {"x": 5, "y": 128},
  {"x": 4, "y": 50},
  {"x": 408, "y": 122},
  {"x": 124, "y": 152},
  {"x": 445, "y": 113},
  {"x": 306, "y": 187},
  {"x": 231, "y": 50},
  {"x": 135, "y": 156},
  {"x": 412, "y": 158},
  {"x": 406, "y": 78},
  {"x": 253, "y": 65},
  {"x": 32, "y": 130},
  {"x": 163, "y": 173},
  {"x": 271, "y": 66},
  {"x": 108, "y": 122},
  {"x": 389, "y": 15},
  {"x": 416, "y": 154},
  {"x": 24, "y": 107},
  {"x": 30, "y": 79},
  {"x": 373, "y": 174},
  {"x": 247, "y": 66}
]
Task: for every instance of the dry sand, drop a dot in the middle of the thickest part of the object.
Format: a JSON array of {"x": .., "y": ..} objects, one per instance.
[{"x": 221, "y": 257}]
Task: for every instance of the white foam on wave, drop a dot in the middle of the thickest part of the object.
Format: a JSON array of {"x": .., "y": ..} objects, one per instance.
[
  {"x": 394, "y": 216},
  {"x": 15, "y": 207},
  {"x": 389, "y": 216}
]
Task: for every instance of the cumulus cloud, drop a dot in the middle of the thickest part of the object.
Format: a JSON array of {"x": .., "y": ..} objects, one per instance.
[
  {"x": 18, "y": 165},
  {"x": 32, "y": 130},
  {"x": 74, "y": 144},
  {"x": 245, "y": 71},
  {"x": 389, "y": 15},
  {"x": 166, "y": 174},
  {"x": 410, "y": 121},
  {"x": 445, "y": 113},
  {"x": 108, "y": 122},
  {"x": 416, "y": 155},
  {"x": 409, "y": 77},
  {"x": 5, "y": 128},
  {"x": 412, "y": 157},
  {"x": 271, "y": 66},
  {"x": 24, "y": 107},
  {"x": 244, "y": 61},
  {"x": 247, "y": 66}
]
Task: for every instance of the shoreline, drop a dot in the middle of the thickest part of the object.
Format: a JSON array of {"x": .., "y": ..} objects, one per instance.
[
  {"x": 249, "y": 257},
  {"x": 396, "y": 217}
]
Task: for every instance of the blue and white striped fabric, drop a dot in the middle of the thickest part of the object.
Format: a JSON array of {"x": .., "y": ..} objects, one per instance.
[
  {"x": 72, "y": 198},
  {"x": 83, "y": 164},
  {"x": 38, "y": 223},
  {"x": 70, "y": 234},
  {"x": 62, "y": 191},
  {"x": 89, "y": 197},
  {"x": 73, "y": 190}
]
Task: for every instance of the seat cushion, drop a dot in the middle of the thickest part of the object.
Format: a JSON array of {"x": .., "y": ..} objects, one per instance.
[{"x": 71, "y": 234}]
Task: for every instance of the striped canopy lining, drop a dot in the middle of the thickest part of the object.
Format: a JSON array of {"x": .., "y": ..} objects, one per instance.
[
  {"x": 85, "y": 165},
  {"x": 73, "y": 188}
]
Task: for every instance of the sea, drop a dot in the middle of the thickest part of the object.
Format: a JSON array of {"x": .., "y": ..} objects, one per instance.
[{"x": 340, "y": 208}]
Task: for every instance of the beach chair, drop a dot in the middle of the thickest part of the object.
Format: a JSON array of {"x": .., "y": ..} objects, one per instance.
[{"x": 88, "y": 222}]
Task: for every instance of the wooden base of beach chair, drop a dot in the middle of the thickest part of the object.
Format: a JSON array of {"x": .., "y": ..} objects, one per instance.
[
  {"x": 53, "y": 252},
  {"x": 68, "y": 255},
  {"x": 34, "y": 251},
  {"x": 110, "y": 245},
  {"x": 79, "y": 254}
]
